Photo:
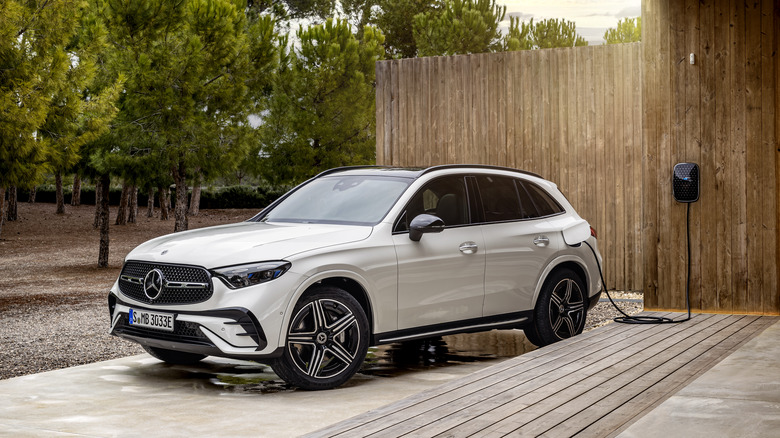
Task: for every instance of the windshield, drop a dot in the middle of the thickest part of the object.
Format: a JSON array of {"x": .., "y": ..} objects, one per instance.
[{"x": 341, "y": 199}]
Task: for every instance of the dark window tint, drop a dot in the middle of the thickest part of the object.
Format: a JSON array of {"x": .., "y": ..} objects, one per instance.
[
  {"x": 444, "y": 197},
  {"x": 499, "y": 198},
  {"x": 544, "y": 204}
]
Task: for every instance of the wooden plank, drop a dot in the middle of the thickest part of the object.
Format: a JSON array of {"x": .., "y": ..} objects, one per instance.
[
  {"x": 528, "y": 109},
  {"x": 770, "y": 23},
  {"x": 754, "y": 185},
  {"x": 572, "y": 115},
  {"x": 723, "y": 167},
  {"x": 604, "y": 416},
  {"x": 739, "y": 190},
  {"x": 709, "y": 164},
  {"x": 638, "y": 129},
  {"x": 562, "y": 122},
  {"x": 571, "y": 405},
  {"x": 638, "y": 406},
  {"x": 615, "y": 167},
  {"x": 533, "y": 377},
  {"x": 379, "y": 107},
  {"x": 397, "y": 117},
  {"x": 674, "y": 244},
  {"x": 605, "y": 165},
  {"x": 586, "y": 343},
  {"x": 693, "y": 146},
  {"x": 478, "y": 414},
  {"x": 650, "y": 158}
]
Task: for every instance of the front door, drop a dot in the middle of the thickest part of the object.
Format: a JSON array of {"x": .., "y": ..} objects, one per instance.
[{"x": 441, "y": 277}]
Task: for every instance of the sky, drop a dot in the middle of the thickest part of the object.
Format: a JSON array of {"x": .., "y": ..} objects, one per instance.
[{"x": 592, "y": 17}]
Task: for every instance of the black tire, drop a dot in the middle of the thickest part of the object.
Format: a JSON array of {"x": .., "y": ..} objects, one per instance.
[
  {"x": 327, "y": 340},
  {"x": 561, "y": 309},
  {"x": 174, "y": 357}
]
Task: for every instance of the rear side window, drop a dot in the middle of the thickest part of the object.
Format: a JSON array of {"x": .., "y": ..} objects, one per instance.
[
  {"x": 500, "y": 201},
  {"x": 537, "y": 201}
]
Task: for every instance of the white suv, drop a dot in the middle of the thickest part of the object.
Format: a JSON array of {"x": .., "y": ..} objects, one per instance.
[{"x": 364, "y": 256}]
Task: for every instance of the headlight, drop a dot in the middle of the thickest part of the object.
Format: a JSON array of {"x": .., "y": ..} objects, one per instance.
[{"x": 250, "y": 274}]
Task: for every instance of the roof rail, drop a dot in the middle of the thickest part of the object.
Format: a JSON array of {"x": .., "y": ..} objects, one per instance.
[{"x": 478, "y": 166}]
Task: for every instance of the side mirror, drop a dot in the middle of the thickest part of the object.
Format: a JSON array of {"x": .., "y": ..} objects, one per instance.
[{"x": 424, "y": 223}]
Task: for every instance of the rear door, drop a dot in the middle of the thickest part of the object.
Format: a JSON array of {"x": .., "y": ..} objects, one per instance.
[{"x": 519, "y": 242}]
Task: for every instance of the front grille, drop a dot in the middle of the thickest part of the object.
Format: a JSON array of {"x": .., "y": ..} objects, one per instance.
[
  {"x": 183, "y": 284},
  {"x": 183, "y": 331}
]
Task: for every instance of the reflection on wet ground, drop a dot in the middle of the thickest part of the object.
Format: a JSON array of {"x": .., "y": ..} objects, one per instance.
[
  {"x": 394, "y": 359},
  {"x": 386, "y": 361}
]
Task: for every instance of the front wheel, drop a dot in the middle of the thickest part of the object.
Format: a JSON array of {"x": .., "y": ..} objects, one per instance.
[
  {"x": 327, "y": 340},
  {"x": 560, "y": 310}
]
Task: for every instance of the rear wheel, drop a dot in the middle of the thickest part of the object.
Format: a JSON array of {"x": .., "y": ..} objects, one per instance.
[
  {"x": 326, "y": 342},
  {"x": 174, "y": 357},
  {"x": 560, "y": 310}
]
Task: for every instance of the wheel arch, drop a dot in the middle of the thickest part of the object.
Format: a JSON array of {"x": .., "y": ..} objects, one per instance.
[
  {"x": 566, "y": 262},
  {"x": 345, "y": 280}
]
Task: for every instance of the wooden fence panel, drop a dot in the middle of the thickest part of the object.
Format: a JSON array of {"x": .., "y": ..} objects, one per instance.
[{"x": 572, "y": 115}]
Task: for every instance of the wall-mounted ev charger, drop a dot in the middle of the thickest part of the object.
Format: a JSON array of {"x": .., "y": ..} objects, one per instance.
[
  {"x": 685, "y": 182},
  {"x": 685, "y": 188}
]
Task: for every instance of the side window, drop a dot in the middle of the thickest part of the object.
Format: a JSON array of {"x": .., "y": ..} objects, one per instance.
[
  {"x": 542, "y": 202},
  {"x": 499, "y": 198},
  {"x": 444, "y": 197}
]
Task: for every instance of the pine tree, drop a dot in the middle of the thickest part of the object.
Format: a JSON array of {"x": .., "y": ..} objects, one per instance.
[
  {"x": 545, "y": 34},
  {"x": 321, "y": 113},
  {"x": 395, "y": 18},
  {"x": 193, "y": 69},
  {"x": 459, "y": 27},
  {"x": 33, "y": 63},
  {"x": 628, "y": 30}
]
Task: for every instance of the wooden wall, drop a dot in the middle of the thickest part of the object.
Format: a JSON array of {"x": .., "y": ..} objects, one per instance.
[
  {"x": 720, "y": 112},
  {"x": 572, "y": 115}
]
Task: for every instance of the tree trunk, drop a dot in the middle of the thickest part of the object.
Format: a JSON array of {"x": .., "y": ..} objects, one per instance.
[
  {"x": 150, "y": 202},
  {"x": 75, "y": 200},
  {"x": 105, "y": 183},
  {"x": 133, "y": 204},
  {"x": 162, "y": 194},
  {"x": 180, "y": 212},
  {"x": 60, "y": 196},
  {"x": 12, "y": 210},
  {"x": 98, "y": 198},
  {"x": 195, "y": 198},
  {"x": 31, "y": 198},
  {"x": 2, "y": 208},
  {"x": 121, "y": 213}
]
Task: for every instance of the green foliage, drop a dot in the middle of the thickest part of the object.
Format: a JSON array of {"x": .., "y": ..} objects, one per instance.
[
  {"x": 544, "y": 34},
  {"x": 395, "y": 18},
  {"x": 321, "y": 113},
  {"x": 628, "y": 30},
  {"x": 82, "y": 107},
  {"x": 241, "y": 197},
  {"x": 33, "y": 65},
  {"x": 196, "y": 70},
  {"x": 459, "y": 27}
]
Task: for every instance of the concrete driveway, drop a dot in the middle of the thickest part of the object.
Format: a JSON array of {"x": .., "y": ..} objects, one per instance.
[{"x": 140, "y": 396}]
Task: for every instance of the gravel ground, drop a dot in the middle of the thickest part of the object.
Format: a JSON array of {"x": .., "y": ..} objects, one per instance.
[{"x": 59, "y": 318}]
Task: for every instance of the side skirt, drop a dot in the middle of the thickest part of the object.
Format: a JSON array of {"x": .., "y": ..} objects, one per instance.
[{"x": 504, "y": 321}]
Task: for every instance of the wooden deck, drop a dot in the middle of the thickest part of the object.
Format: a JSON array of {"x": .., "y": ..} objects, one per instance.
[{"x": 596, "y": 384}]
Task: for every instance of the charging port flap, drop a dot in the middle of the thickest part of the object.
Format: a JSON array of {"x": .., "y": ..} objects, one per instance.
[{"x": 576, "y": 232}]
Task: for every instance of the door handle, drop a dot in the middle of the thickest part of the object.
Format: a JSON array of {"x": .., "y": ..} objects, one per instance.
[
  {"x": 541, "y": 241},
  {"x": 468, "y": 247}
]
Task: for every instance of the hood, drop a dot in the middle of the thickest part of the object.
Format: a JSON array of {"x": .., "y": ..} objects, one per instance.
[{"x": 244, "y": 242}]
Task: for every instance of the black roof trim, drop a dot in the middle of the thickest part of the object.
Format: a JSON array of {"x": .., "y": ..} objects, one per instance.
[{"x": 423, "y": 170}]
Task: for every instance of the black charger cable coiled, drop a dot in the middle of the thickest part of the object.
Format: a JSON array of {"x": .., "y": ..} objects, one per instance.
[{"x": 628, "y": 319}]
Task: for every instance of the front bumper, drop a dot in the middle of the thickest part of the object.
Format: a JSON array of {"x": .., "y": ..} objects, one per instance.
[{"x": 230, "y": 332}]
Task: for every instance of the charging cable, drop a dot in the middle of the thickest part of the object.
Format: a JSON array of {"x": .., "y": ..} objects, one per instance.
[{"x": 628, "y": 319}]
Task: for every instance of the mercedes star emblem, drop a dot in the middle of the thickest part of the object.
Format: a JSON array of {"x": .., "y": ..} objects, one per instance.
[{"x": 153, "y": 284}]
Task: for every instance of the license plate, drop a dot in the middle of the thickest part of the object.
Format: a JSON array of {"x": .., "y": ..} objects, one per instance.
[{"x": 155, "y": 320}]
